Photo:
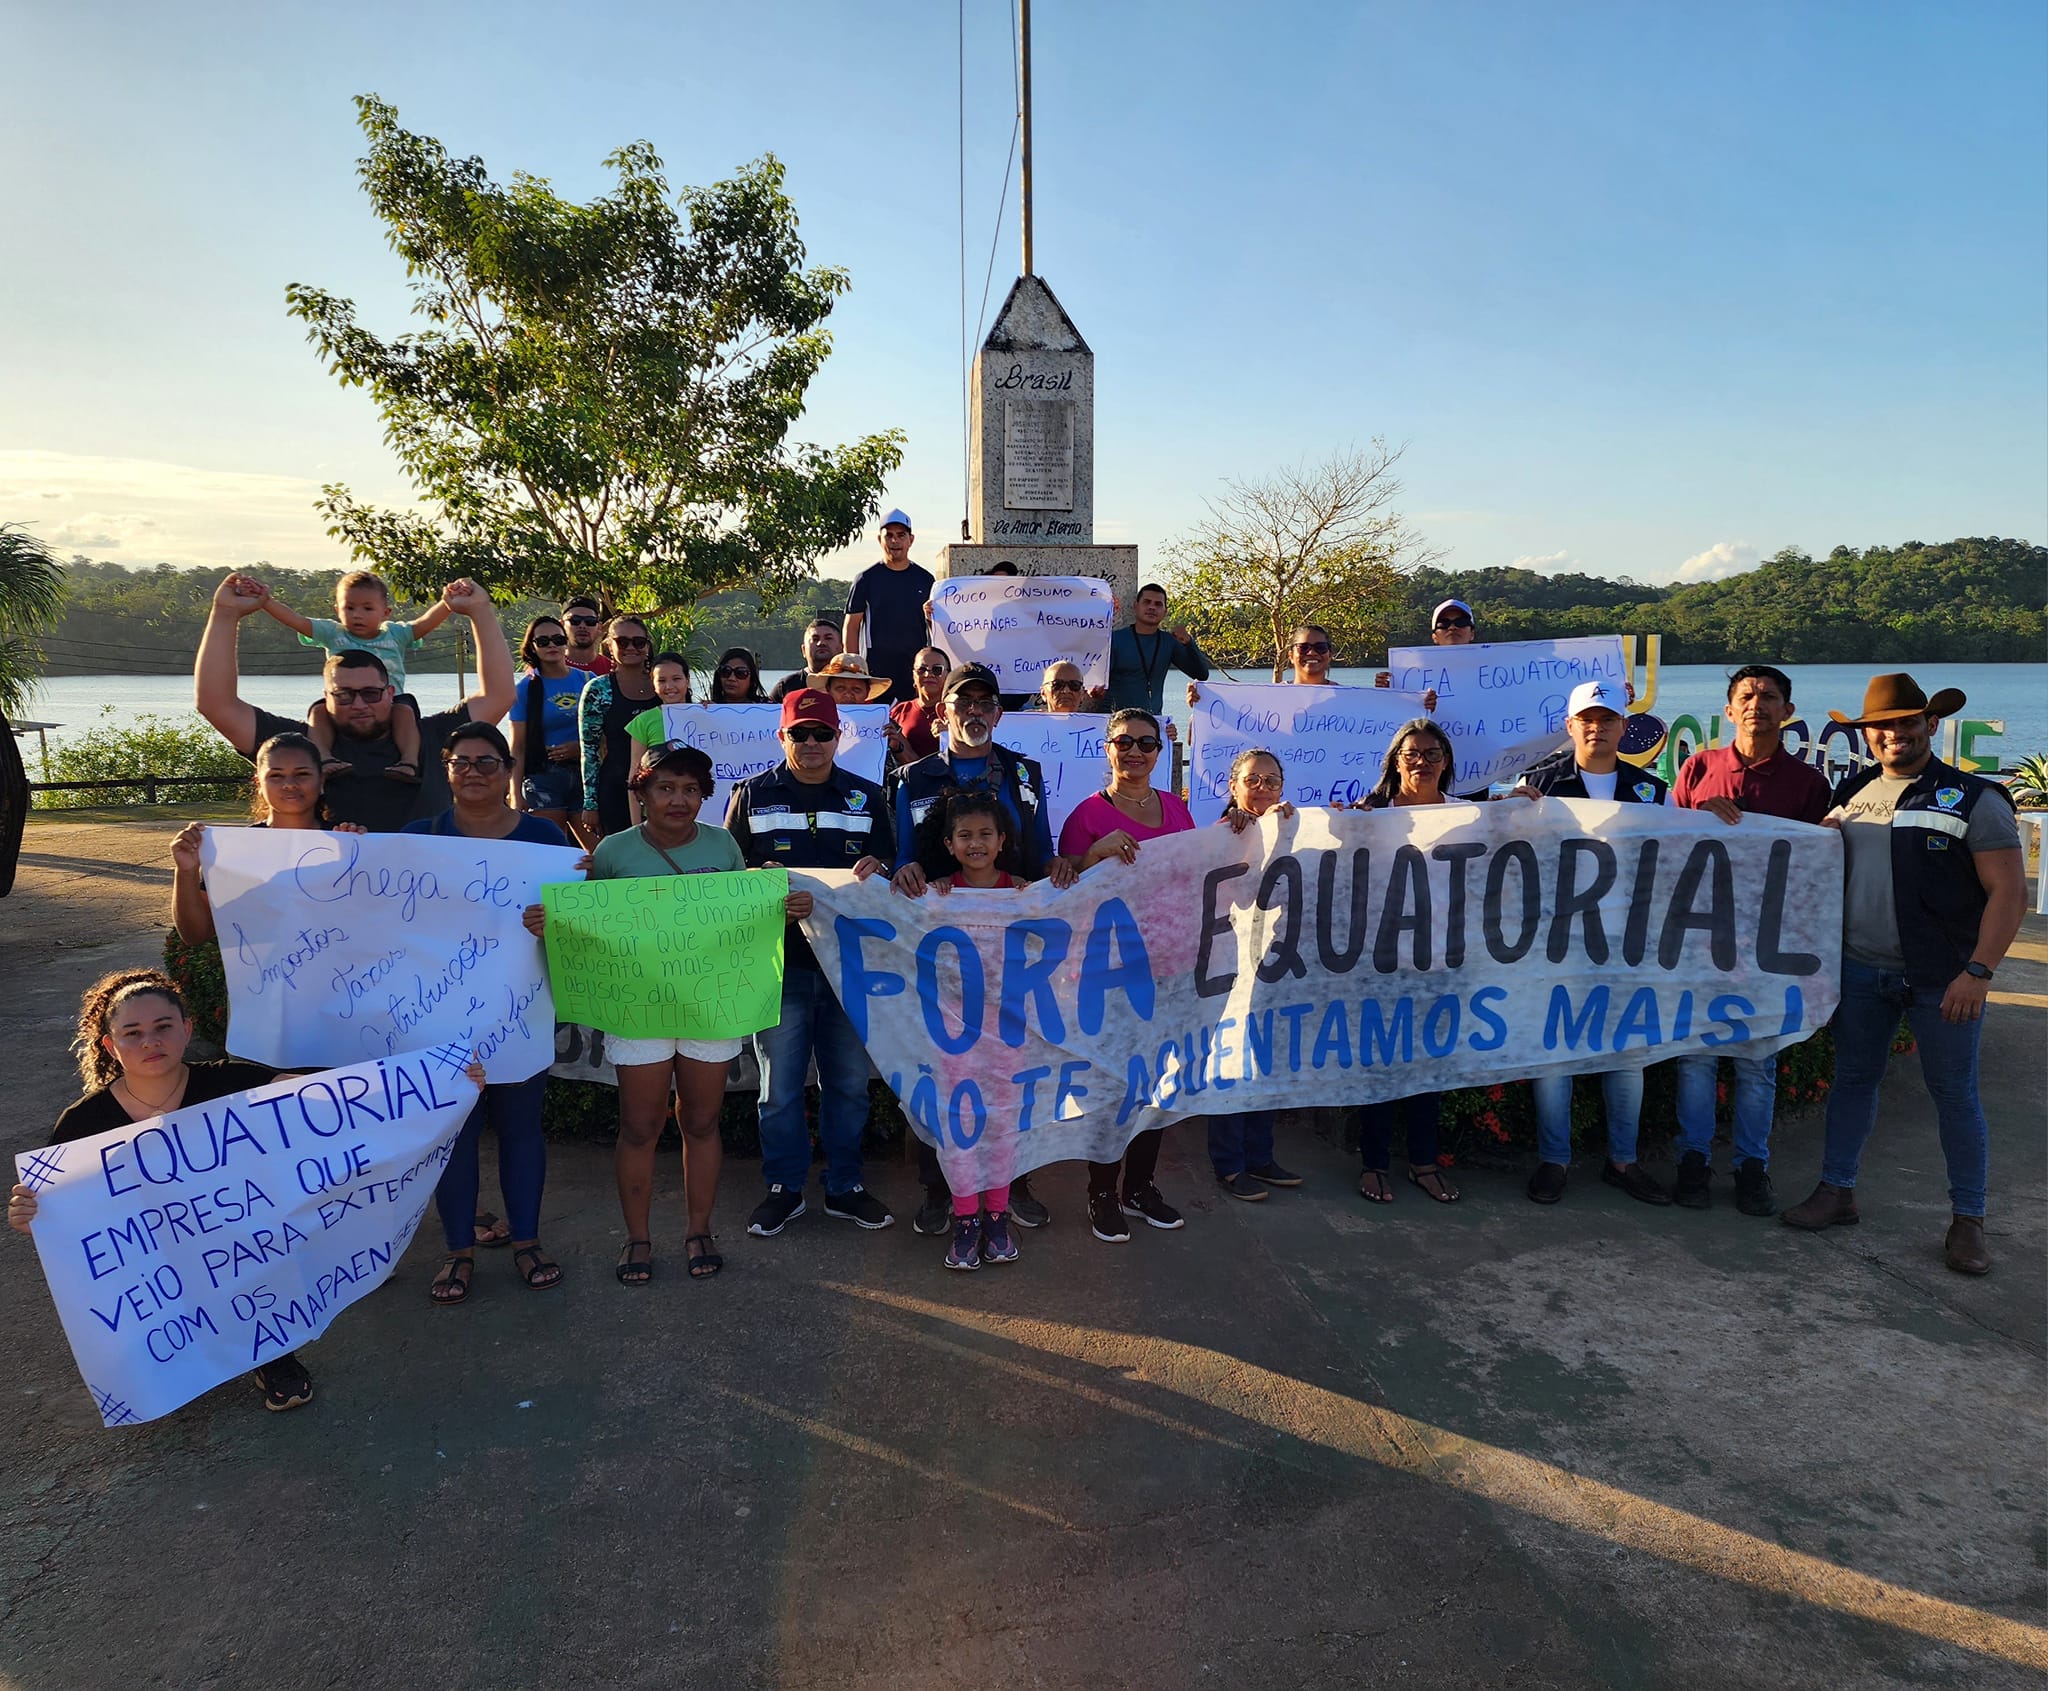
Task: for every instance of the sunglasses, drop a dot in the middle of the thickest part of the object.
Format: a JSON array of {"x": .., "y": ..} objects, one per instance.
[
  {"x": 811, "y": 734},
  {"x": 1453, "y": 622},
  {"x": 735, "y": 672},
  {"x": 489, "y": 764},
  {"x": 549, "y": 640},
  {"x": 631, "y": 642},
  {"x": 1066, "y": 686},
  {"x": 1263, "y": 783},
  {"x": 349, "y": 695},
  {"x": 583, "y": 622},
  {"x": 933, "y": 669},
  {"x": 1136, "y": 742},
  {"x": 1313, "y": 648}
]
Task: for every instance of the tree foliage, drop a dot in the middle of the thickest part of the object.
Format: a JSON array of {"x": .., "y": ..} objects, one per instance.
[
  {"x": 603, "y": 397},
  {"x": 31, "y": 599},
  {"x": 1318, "y": 544}
]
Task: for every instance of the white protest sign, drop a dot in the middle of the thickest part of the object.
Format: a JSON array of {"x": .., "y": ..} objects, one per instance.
[
  {"x": 339, "y": 947},
  {"x": 1021, "y": 625},
  {"x": 192, "y": 1247},
  {"x": 1331, "y": 741},
  {"x": 1503, "y": 705},
  {"x": 1068, "y": 751},
  {"x": 740, "y": 739},
  {"x": 1332, "y": 957}
]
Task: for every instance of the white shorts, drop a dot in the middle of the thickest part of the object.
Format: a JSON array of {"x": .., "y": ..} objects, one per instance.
[{"x": 625, "y": 1053}]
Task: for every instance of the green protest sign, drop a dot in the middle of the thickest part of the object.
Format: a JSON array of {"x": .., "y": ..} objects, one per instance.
[{"x": 669, "y": 956}]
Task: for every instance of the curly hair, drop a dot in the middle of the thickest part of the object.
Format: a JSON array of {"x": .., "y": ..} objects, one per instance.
[
  {"x": 959, "y": 806},
  {"x": 96, "y": 1064}
]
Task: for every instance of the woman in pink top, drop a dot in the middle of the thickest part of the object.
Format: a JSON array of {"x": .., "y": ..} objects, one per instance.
[{"x": 1114, "y": 823}]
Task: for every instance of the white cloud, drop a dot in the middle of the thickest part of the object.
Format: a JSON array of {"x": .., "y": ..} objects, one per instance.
[
  {"x": 142, "y": 511},
  {"x": 1719, "y": 561},
  {"x": 1547, "y": 563}
]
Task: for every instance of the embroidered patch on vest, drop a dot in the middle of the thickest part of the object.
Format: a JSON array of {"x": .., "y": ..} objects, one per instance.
[
  {"x": 1948, "y": 797},
  {"x": 1937, "y": 842},
  {"x": 856, "y": 800},
  {"x": 1646, "y": 791}
]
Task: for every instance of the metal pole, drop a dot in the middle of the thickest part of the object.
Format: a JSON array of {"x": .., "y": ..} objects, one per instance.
[{"x": 1024, "y": 37}]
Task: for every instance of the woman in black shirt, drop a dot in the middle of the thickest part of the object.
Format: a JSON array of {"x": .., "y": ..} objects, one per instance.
[{"x": 132, "y": 1035}]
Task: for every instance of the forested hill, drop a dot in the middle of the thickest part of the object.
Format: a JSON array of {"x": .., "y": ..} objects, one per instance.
[{"x": 1959, "y": 601}]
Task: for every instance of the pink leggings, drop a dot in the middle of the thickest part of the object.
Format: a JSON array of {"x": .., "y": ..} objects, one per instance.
[{"x": 995, "y": 1200}]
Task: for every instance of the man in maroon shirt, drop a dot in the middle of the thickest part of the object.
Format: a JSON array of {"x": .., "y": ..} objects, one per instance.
[{"x": 1757, "y": 776}]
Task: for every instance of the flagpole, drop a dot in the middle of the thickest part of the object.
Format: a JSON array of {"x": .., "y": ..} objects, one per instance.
[{"x": 1024, "y": 39}]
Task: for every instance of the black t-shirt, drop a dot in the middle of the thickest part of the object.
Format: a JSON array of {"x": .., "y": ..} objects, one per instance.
[
  {"x": 365, "y": 797},
  {"x": 892, "y": 602},
  {"x": 794, "y": 682},
  {"x": 100, "y": 1110}
]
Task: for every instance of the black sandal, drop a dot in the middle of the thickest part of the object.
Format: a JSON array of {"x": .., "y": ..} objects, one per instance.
[
  {"x": 490, "y": 1231},
  {"x": 706, "y": 1262},
  {"x": 542, "y": 1272},
  {"x": 1443, "y": 1192},
  {"x": 451, "y": 1285},
  {"x": 1382, "y": 1194},
  {"x": 403, "y": 770},
  {"x": 631, "y": 1273}
]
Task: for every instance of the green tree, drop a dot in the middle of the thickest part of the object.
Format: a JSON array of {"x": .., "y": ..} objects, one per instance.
[
  {"x": 1318, "y": 544},
  {"x": 31, "y": 600},
  {"x": 603, "y": 398}
]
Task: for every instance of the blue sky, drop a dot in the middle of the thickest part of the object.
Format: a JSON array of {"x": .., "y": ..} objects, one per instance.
[{"x": 1644, "y": 289}]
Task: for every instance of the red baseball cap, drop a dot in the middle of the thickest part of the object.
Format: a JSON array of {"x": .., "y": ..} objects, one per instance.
[{"x": 808, "y": 704}]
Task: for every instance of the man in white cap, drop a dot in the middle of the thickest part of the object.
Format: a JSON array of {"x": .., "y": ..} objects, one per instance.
[
  {"x": 887, "y": 607},
  {"x": 1591, "y": 768}
]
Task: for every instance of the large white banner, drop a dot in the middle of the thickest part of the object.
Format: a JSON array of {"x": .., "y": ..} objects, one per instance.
[
  {"x": 189, "y": 1248},
  {"x": 1021, "y": 625},
  {"x": 1330, "y": 741},
  {"x": 339, "y": 947},
  {"x": 1503, "y": 704},
  {"x": 1336, "y": 957},
  {"x": 740, "y": 739},
  {"x": 1067, "y": 748}
]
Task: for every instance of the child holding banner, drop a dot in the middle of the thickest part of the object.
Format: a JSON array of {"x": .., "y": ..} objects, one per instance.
[{"x": 977, "y": 834}]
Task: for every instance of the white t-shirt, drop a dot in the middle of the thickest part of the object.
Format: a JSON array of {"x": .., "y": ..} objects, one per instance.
[{"x": 1599, "y": 786}]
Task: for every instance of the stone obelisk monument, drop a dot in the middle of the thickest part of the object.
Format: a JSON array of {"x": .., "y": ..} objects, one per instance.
[{"x": 1031, "y": 433}]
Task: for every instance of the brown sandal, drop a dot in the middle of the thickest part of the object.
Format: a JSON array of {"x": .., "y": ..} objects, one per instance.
[
  {"x": 1443, "y": 1192},
  {"x": 1381, "y": 1193},
  {"x": 540, "y": 1272}
]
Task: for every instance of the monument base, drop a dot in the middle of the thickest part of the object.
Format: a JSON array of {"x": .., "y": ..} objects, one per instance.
[{"x": 1117, "y": 565}]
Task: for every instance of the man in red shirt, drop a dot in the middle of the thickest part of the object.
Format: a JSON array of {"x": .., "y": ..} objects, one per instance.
[
  {"x": 1755, "y": 776},
  {"x": 584, "y": 619}
]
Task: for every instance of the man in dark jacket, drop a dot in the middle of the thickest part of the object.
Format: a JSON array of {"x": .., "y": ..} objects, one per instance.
[
  {"x": 1935, "y": 889},
  {"x": 1591, "y": 768},
  {"x": 972, "y": 762},
  {"x": 808, "y": 813}
]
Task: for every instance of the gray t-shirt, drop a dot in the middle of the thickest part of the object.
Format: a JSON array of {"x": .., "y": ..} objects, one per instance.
[{"x": 1870, "y": 915}]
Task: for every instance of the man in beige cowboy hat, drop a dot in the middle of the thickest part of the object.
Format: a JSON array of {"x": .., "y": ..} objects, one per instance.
[{"x": 1934, "y": 895}]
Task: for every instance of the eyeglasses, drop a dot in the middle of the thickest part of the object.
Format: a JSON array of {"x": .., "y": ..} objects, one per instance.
[
  {"x": 549, "y": 640},
  {"x": 933, "y": 669},
  {"x": 811, "y": 734},
  {"x": 489, "y": 764},
  {"x": 1313, "y": 648},
  {"x": 735, "y": 672},
  {"x": 349, "y": 695},
  {"x": 1262, "y": 783},
  {"x": 973, "y": 701},
  {"x": 631, "y": 642},
  {"x": 1064, "y": 686},
  {"x": 1432, "y": 756},
  {"x": 1136, "y": 742},
  {"x": 1453, "y": 622}
]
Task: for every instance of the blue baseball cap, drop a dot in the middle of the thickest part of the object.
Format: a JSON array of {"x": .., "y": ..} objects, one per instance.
[{"x": 899, "y": 517}]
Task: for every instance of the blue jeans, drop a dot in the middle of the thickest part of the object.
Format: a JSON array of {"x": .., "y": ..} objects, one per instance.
[
  {"x": 1756, "y": 1101},
  {"x": 1623, "y": 1091},
  {"x": 513, "y": 1110},
  {"x": 813, "y": 1024},
  {"x": 1872, "y": 1002},
  {"x": 1421, "y": 1113},
  {"x": 1237, "y": 1143}
]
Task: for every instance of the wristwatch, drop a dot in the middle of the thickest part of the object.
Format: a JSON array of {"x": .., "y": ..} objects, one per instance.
[{"x": 1976, "y": 971}]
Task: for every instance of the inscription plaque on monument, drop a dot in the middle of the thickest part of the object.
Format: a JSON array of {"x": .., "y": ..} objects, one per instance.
[{"x": 1038, "y": 454}]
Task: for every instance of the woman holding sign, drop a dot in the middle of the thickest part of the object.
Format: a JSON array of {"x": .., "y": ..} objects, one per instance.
[
  {"x": 1114, "y": 823},
  {"x": 480, "y": 765},
  {"x": 673, "y": 782},
  {"x": 1419, "y": 768},
  {"x": 609, "y": 703},
  {"x": 736, "y": 680}
]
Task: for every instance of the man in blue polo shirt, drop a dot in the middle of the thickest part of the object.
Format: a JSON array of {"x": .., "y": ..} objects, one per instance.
[{"x": 808, "y": 813}]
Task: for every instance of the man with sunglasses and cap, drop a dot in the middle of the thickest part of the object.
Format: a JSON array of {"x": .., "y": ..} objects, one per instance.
[
  {"x": 583, "y": 618},
  {"x": 1935, "y": 888},
  {"x": 971, "y": 762},
  {"x": 808, "y": 813},
  {"x": 887, "y": 606}
]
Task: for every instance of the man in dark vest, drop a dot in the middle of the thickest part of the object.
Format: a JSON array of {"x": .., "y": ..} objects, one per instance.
[
  {"x": 1591, "y": 768},
  {"x": 1935, "y": 890},
  {"x": 971, "y": 763}
]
